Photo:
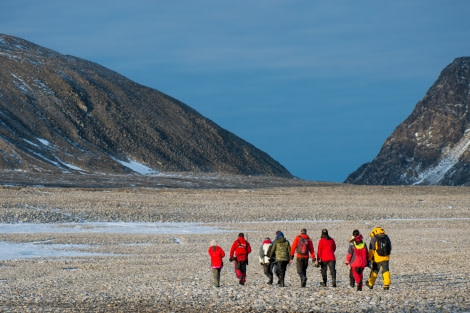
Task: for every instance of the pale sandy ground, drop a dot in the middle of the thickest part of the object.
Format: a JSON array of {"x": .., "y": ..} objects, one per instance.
[{"x": 429, "y": 228}]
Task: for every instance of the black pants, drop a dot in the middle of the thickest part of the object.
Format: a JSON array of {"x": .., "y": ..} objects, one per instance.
[
  {"x": 268, "y": 271},
  {"x": 302, "y": 265},
  {"x": 331, "y": 265},
  {"x": 282, "y": 265}
]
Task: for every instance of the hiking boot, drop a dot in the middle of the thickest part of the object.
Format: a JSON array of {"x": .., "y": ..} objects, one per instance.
[
  {"x": 386, "y": 288},
  {"x": 270, "y": 282},
  {"x": 369, "y": 285},
  {"x": 359, "y": 288},
  {"x": 241, "y": 282},
  {"x": 303, "y": 282},
  {"x": 352, "y": 284},
  {"x": 323, "y": 284},
  {"x": 334, "y": 285},
  {"x": 282, "y": 284},
  {"x": 278, "y": 282}
]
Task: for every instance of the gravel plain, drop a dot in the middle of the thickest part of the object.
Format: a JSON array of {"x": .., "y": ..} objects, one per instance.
[{"x": 428, "y": 226}]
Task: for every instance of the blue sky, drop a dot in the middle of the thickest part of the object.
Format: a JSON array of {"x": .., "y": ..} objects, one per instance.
[{"x": 318, "y": 85}]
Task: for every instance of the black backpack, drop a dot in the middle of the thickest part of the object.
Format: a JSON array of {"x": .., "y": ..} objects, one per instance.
[{"x": 383, "y": 246}]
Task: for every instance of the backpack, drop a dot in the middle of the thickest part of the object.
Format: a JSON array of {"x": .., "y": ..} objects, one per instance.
[
  {"x": 282, "y": 250},
  {"x": 241, "y": 250},
  {"x": 383, "y": 246},
  {"x": 302, "y": 246}
]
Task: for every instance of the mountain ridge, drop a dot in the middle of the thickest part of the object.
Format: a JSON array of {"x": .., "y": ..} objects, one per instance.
[{"x": 60, "y": 113}]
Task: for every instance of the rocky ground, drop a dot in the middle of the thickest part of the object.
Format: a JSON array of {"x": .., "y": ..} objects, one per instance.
[{"x": 429, "y": 228}]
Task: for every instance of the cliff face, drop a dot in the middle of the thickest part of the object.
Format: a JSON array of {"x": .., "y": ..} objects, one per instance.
[
  {"x": 60, "y": 114},
  {"x": 432, "y": 146}
]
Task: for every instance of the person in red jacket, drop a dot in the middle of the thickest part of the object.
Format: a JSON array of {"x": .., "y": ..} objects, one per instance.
[
  {"x": 302, "y": 246},
  {"x": 326, "y": 257},
  {"x": 217, "y": 254},
  {"x": 357, "y": 258},
  {"x": 239, "y": 254}
]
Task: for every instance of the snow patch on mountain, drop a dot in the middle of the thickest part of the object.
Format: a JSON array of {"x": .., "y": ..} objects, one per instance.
[
  {"x": 22, "y": 85},
  {"x": 449, "y": 158},
  {"x": 137, "y": 167},
  {"x": 44, "y": 142}
]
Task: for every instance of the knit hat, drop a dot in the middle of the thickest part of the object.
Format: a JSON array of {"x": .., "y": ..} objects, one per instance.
[
  {"x": 324, "y": 232},
  {"x": 241, "y": 235},
  {"x": 267, "y": 240},
  {"x": 279, "y": 234}
]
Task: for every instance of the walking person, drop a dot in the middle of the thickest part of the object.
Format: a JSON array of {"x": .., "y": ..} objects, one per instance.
[
  {"x": 380, "y": 248},
  {"x": 265, "y": 260},
  {"x": 280, "y": 252},
  {"x": 357, "y": 259},
  {"x": 302, "y": 246},
  {"x": 239, "y": 254},
  {"x": 217, "y": 254},
  {"x": 326, "y": 258},
  {"x": 352, "y": 281}
]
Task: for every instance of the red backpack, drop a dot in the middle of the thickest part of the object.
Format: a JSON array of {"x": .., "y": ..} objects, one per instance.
[
  {"x": 302, "y": 246},
  {"x": 241, "y": 251}
]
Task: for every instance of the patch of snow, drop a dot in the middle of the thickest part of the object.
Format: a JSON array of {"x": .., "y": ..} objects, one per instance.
[
  {"x": 449, "y": 158},
  {"x": 21, "y": 84},
  {"x": 39, "y": 249},
  {"x": 30, "y": 142},
  {"x": 13, "y": 251},
  {"x": 137, "y": 167},
  {"x": 71, "y": 166},
  {"x": 43, "y": 87},
  {"x": 109, "y": 228},
  {"x": 44, "y": 142}
]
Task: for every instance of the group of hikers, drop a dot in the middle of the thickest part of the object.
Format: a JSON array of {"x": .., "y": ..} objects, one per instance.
[{"x": 275, "y": 255}]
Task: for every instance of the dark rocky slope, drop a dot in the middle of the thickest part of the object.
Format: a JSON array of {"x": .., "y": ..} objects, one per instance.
[
  {"x": 63, "y": 114},
  {"x": 432, "y": 146}
]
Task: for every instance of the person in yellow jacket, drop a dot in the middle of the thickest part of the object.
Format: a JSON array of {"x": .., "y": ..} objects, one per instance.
[{"x": 380, "y": 248}]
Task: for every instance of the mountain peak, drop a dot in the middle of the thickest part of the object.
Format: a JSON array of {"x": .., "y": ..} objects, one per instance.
[{"x": 432, "y": 146}]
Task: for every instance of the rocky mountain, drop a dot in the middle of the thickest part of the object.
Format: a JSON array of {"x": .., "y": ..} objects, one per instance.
[
  {"x": 432, "y": 146},
  {"x": 63, "y": 114}
]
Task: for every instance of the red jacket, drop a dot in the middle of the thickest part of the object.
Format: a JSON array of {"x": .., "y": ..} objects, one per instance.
[
  {"x": 241, "y": 248},
  {"x": 326, "y": 249},
  {"x": 310, "y": 247},
  {"x": 217, "y": 254},
  {"x": 357, "y": 254}
]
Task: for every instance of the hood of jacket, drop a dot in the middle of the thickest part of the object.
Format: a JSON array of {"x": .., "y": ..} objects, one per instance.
[
  {"x": 281, "y": 239},
  {"x": 279, "y": 234}
]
